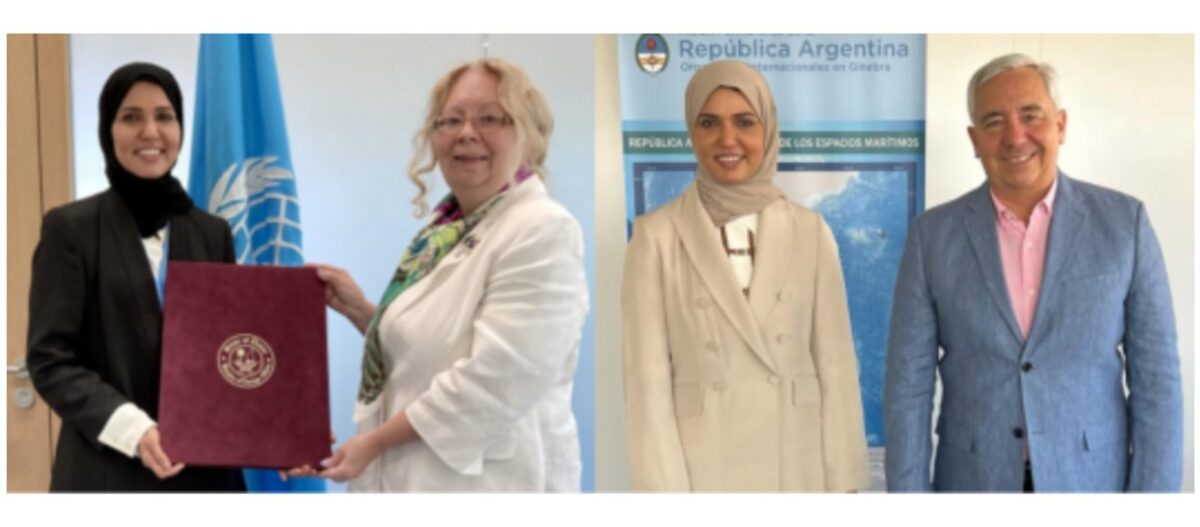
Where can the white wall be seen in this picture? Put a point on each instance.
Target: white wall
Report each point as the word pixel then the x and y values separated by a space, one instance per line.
pixel 352 104
pixel 1129 101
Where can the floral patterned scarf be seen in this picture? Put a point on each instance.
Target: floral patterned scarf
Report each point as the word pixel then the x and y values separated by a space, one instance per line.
pixel 447 228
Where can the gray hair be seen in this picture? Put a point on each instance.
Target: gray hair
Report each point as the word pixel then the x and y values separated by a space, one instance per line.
pixel 1004 63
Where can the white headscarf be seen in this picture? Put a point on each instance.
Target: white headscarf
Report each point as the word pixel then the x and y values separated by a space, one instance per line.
pixel 726 202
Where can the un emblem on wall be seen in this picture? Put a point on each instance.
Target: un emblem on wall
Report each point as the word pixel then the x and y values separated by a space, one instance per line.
pixel 246 361
pixel 257 197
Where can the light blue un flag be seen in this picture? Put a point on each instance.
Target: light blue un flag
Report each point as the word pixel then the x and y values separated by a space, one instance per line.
pixel 242 169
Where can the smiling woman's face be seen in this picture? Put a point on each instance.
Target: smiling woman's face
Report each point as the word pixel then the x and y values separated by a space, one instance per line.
pixel 146 132
pixel 728 137
pixel 475 141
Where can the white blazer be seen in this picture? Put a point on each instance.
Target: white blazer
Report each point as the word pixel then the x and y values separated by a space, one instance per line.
pixel 481 354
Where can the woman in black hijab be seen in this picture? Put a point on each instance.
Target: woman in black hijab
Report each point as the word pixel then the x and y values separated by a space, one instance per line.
pixel 95 317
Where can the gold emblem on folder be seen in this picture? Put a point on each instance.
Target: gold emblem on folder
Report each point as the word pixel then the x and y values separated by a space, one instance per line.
pixel 246 361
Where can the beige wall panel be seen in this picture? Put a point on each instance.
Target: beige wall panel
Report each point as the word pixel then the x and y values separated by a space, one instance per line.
pixel 54 110
pixel 28 445
pixel 612 457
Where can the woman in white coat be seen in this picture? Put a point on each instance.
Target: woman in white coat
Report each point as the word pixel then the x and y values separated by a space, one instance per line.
pixel 740 372
pixel 470 354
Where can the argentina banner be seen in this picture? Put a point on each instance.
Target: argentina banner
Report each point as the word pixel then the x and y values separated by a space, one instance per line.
pixel 242 169
pixel 851 147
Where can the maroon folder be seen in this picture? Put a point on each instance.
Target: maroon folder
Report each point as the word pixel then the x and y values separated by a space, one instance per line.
pixel 244 366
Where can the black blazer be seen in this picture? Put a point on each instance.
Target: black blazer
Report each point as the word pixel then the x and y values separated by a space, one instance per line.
pixel 95 329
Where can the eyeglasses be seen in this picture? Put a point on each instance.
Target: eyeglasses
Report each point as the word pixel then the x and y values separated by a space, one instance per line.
pixel 452 124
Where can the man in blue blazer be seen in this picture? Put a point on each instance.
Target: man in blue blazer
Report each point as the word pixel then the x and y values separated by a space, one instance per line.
pixel 1048 300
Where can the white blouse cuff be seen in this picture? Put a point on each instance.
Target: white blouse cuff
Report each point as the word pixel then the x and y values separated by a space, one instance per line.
pixel 125 428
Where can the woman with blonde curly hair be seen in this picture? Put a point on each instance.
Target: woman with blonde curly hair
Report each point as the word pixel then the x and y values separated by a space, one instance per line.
pixel 470 354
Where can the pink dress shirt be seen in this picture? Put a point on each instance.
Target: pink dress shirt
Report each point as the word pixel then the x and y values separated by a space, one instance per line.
pixel 1023 254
